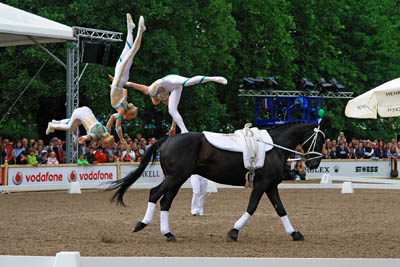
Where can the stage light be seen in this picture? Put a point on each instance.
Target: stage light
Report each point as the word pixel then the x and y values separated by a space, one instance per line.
pixel 259 82
pixel 324 86
pixel 272 83
pixel 306 84
pixel 248 83
pixel 336 85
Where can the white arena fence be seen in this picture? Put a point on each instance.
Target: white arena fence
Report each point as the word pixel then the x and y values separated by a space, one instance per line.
pixel 73 259
pixel 98 176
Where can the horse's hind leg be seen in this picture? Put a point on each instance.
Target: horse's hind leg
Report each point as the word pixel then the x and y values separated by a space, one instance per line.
pixel 151 205
pixel 255 197
pixel 273 196
pixel 165 204
pixel 169 188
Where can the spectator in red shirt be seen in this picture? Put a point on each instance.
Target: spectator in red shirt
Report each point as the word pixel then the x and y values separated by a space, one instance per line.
pixel 3 152
pixel 9 149
pixel 100 156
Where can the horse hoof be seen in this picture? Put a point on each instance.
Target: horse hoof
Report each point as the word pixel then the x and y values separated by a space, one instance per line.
pixel 233 234
pixel 297 236
pixel 170 237
pixel 139 226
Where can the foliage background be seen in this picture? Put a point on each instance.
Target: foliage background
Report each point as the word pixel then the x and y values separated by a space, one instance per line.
pixel 356 44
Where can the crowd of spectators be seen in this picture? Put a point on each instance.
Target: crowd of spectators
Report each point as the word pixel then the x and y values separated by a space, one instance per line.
pixel 341 148
pixel 36 152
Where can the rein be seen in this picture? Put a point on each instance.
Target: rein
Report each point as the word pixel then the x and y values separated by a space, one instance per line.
pixel 252 148
pixel 310 150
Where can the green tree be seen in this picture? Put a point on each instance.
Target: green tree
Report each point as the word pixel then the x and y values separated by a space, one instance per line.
pixel 355 43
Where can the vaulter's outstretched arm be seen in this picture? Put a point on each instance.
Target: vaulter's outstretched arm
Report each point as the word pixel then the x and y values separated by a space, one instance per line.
pixel 110 122
pixel 118 129
pixel 144 90
pixel 117 118
pixel 138 87
pixel 84 138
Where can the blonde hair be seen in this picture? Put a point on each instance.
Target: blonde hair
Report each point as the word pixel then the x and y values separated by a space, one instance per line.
pixel 108 139
pixel 153 88
pixel 132 110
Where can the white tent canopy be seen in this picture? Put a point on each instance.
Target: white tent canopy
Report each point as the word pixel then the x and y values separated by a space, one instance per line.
pixel 383 100
pixel 18 27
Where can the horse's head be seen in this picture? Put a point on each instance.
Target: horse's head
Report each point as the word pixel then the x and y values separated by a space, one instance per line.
pixel 313 141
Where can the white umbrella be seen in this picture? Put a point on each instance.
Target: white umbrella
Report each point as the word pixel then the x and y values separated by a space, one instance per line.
pixel 383 100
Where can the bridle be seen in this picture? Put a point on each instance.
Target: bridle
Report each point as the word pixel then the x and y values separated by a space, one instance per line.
pixel 311 149
pixel 252 148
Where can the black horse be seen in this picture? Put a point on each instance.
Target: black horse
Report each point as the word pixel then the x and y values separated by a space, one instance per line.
pixel 185 154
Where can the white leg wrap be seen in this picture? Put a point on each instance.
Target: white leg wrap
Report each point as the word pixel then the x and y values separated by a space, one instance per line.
pixel 287 225
pixel 164 226
pixel 240 223
pixel 148 217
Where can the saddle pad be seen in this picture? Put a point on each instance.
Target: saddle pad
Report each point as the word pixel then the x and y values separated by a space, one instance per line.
pixel 236 143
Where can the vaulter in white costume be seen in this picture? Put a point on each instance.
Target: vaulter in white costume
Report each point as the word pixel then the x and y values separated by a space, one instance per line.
pixel 119 95
pixel 94 129
pixel 168 90
pixel 199 185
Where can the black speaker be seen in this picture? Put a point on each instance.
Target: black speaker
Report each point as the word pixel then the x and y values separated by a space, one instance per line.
pixel 99 52
pixel 111 54
pixel 91 52
pixel 114 55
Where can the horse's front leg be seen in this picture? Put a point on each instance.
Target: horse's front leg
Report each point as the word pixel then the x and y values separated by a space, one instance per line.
pixel 256 194
pixel 273 196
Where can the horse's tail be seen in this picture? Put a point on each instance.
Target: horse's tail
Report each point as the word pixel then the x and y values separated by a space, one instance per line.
pixel 123 184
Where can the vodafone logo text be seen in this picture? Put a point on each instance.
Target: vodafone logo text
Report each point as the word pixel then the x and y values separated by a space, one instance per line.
pixel 96 176
pixel 45 177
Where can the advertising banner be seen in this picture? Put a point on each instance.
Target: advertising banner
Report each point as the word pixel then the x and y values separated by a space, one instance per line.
pixel 56 175
pixel 51 177
pixel 152 175
pixel 352 168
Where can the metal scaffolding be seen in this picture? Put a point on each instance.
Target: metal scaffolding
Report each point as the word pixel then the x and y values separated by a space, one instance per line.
pixel 272 93
pixel 73 77
pixel 274 107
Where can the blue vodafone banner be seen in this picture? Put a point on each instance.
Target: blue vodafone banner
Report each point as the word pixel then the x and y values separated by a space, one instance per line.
pixel 352 168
